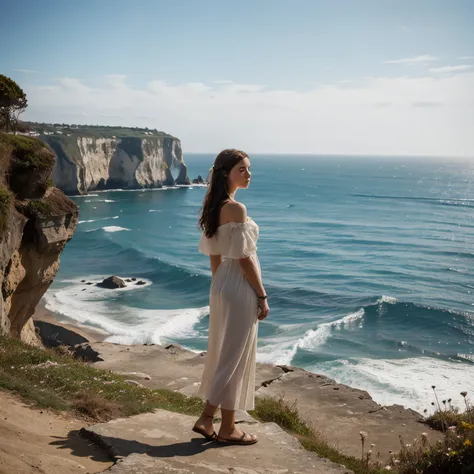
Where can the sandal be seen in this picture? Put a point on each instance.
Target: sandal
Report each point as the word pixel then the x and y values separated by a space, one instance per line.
pixel 238 441
pixel 209 437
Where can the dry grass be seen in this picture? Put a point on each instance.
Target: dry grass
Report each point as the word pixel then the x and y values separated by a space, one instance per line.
pixel 94 406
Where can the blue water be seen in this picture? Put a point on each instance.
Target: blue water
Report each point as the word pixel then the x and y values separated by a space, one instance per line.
pixel 368 263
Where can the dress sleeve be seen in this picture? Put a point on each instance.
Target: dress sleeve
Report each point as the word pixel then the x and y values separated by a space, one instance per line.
pixel 205 245
pixel 242 241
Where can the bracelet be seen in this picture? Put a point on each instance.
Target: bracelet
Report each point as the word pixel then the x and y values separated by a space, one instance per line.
pixel 264 297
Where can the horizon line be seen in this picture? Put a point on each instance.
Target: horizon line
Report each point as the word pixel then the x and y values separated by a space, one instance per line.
pixel 366 155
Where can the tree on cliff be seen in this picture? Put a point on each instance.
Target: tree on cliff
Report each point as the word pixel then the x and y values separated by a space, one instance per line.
pixel 12 103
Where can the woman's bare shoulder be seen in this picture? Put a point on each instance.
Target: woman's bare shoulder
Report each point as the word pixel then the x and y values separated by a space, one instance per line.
pixel 233 211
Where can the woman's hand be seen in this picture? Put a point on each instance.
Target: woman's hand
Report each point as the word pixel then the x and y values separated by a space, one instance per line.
pixel 263 309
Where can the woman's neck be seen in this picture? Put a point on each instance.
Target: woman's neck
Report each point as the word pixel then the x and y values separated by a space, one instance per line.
pixel 232 193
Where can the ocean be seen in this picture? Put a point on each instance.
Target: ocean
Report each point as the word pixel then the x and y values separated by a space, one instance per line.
pixel 368 263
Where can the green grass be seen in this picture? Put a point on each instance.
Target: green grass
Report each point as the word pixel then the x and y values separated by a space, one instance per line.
pixel 94 131
pixel 69 384
pixel 287 416
pixel 28 154
pixel 39 208
pixel 5 200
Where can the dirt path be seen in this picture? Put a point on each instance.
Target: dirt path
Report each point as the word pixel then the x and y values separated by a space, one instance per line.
pixel 40 441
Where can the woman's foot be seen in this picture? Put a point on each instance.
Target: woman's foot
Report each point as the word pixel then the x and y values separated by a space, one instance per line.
pixel 236 437
pixel 205 427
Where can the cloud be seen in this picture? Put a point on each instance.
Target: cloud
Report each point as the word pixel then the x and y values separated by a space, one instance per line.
pixel 375 115
pixel 448 69
pixel 466 57
pixel 427 104
pixel 26 71
pixel 423 59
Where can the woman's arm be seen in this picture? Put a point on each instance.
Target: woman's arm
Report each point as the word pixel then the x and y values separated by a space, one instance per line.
pixel 216 260
pixel 250 272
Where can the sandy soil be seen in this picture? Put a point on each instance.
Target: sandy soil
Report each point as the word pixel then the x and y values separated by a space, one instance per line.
pixel 40 441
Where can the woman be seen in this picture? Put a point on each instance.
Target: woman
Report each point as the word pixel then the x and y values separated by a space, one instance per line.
pixel 237 300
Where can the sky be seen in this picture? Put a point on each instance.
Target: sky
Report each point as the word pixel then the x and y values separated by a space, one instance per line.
pixel 373 77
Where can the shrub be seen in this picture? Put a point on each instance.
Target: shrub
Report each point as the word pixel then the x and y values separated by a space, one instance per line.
pixel 5 200
pixel 28 154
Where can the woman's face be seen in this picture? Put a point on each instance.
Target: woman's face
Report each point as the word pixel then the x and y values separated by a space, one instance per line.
pixel 239 176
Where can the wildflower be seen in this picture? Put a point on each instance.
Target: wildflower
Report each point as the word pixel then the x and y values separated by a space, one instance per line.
pixel 467 443
pixel 433 403
pixel 449 400
pixel 452 429
pixel 387 468
pixel 408 445
pixel 363 435
pixel 453 453
pixel 433 387
pixel 464 394
pixel 372 445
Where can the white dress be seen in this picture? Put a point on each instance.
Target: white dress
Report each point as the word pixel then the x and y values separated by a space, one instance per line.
pixel 228 379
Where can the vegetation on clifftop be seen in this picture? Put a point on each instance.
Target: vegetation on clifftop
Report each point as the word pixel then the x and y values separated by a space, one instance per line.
pixel 93 131
pixel 27 154
pixel 5 200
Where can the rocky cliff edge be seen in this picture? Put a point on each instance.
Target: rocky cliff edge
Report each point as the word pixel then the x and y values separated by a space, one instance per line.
pixel 36 222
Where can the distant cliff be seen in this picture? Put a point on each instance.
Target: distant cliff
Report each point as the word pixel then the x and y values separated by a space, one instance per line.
pixel 97 158
pixel 36 222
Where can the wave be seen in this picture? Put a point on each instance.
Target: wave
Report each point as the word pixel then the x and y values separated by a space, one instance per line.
pixel 405 381
pixel 388 317
pixel 99 219
pixel 125 324
pixel 311 339
pixel 458 202
pixel 83 195
pixel 114 228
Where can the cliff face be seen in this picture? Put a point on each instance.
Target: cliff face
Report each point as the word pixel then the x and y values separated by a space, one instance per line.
pixel 36 222
pixel 86 163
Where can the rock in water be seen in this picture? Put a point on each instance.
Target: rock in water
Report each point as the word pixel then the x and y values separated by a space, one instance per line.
pixel 112 283
pixel 140 282
pixel 198 180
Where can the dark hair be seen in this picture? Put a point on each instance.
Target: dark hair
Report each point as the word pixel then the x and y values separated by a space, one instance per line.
pixel 218 192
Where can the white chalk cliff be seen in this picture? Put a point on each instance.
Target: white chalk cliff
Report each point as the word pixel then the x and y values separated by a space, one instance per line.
pixel 86 164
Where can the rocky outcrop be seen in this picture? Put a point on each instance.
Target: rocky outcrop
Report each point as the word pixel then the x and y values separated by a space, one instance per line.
pixel 36 222
pixel 87 163
pixel 112 283
pixel 198 180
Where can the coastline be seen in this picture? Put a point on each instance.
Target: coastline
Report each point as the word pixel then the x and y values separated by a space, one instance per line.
pixel 44 314
pixel 339 411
